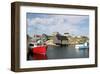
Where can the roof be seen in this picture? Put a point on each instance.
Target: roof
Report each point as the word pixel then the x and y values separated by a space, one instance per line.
pixel 62 38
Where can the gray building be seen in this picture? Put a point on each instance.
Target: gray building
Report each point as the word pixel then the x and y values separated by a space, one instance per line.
pixel 60 40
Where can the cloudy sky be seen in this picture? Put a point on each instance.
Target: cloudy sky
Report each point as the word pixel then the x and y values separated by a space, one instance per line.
pixel 38 23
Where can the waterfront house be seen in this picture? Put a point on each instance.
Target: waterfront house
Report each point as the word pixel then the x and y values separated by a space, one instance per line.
pixel 60 39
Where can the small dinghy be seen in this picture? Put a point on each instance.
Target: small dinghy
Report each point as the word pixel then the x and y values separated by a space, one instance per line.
pixel 82 46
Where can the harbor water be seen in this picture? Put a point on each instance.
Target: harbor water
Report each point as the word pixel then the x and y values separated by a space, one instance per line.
pixel 61 52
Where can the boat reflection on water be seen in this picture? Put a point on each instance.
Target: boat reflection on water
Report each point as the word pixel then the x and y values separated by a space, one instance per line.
pixel 39 56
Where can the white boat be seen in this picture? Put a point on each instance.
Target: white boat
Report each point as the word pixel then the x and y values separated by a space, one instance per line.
pixel 79 46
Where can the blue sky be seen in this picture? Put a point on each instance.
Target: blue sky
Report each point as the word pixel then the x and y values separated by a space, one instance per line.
pixel 38 23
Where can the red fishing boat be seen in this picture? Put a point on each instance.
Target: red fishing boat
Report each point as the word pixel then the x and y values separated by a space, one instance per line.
pixel 40 49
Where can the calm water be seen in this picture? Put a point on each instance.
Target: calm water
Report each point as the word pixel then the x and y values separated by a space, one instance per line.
pixel 66 52
pixel 62 52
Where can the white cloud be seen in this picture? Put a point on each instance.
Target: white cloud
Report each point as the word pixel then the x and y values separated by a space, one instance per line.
pixel 43 21
pixel 54 23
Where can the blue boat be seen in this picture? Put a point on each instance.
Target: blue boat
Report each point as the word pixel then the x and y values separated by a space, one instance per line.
pixel 82 46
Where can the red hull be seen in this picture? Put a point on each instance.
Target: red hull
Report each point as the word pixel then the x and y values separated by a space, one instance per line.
pixel 39 50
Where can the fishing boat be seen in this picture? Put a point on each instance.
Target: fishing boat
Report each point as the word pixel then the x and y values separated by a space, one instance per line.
pixel 41 49
pixel 38 46
pixel 37 49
